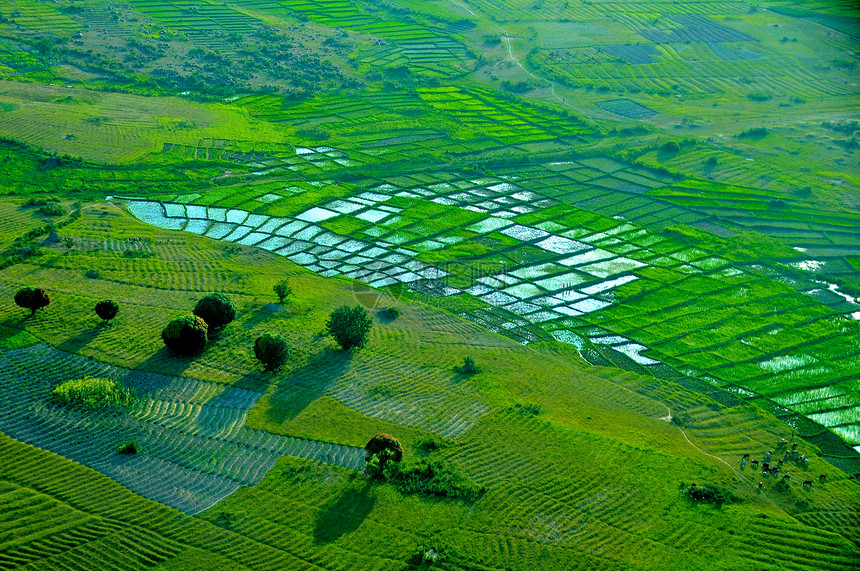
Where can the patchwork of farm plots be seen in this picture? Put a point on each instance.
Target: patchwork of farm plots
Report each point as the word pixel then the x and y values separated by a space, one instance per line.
pixel 526 264
pixel 697 48
pixel 194 448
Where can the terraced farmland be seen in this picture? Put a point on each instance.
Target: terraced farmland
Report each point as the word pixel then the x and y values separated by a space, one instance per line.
pixel 610 252
pixel 563 272
pixel 170 417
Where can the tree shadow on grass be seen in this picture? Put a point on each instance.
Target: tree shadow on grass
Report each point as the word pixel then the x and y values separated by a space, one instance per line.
pixel 346 514
pixel 261 314
pixel 306 384
pixel 81 340
pixel 164 364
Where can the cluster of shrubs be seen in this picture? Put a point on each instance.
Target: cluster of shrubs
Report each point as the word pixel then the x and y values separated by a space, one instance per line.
pixel 426 477
pixel 91 393
pixel 708 493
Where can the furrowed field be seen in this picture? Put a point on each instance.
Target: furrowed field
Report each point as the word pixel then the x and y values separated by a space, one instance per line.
pixel 641 221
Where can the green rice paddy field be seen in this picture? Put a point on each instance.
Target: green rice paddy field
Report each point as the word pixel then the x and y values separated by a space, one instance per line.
pixel 641 220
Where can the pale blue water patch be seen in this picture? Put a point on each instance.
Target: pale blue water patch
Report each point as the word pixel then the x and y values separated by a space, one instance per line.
pixel 290 229
pixel 271 225
pixel 561 245
pixel 255 220
pixel 376 196
pixel 236 216
pixel 523 291
pixel 633 351
pixel 569 337
pixel 197 226
pixel 524 233
pixel 252 239
pixel 238 233
pixel 307 233
pixel 219 230
pixel 372 215
pixel 316 214
pixel 589 305
pixel 561 281
pixel 489 225
pixel 196 211
pixel 587 257
pixel 608 284
pixel 174 210
pixel 607 268
pixel 217 214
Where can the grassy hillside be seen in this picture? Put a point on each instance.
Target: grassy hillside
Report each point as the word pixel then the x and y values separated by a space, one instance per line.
pixel 582 461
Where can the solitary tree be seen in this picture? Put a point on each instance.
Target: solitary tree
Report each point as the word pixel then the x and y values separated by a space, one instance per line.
pixel 216 310
pixel 107 310
pixel 32 298
pixel 271 350
pixel 283 290
pixel 185 335
pixel 350 326
pixel 382 449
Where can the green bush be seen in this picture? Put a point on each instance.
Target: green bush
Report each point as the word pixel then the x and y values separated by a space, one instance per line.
pixel 91 393
pixel 52 210
pixel 107 309
pixel 754 133
pixel 670 147
pixel 216 310
pixel 41 201
pixel 271 350
pixel 429 445
pixel 350 326
pixel 32 298
pixel 185 335
pixel 389 313
pixel 428 478
pixel 709 493
pixel 129 447
pixel 283 290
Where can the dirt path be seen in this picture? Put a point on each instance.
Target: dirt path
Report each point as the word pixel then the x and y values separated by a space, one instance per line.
pixel 507 39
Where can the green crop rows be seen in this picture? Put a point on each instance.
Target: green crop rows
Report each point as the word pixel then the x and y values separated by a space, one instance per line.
pixel 640 220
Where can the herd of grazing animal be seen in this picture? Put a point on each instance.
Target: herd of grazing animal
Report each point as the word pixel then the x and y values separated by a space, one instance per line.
pixel 769 467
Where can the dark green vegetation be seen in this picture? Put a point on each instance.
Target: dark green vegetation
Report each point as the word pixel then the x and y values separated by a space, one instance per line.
pixel 283 290
pixel 216 310
pixel 127 448
pixel 185 335
pixel 350 326
pixel 107 309
pixel 271 350
pixel 32 298
pixel 667 191
pixel 566 452
pixel 468 367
